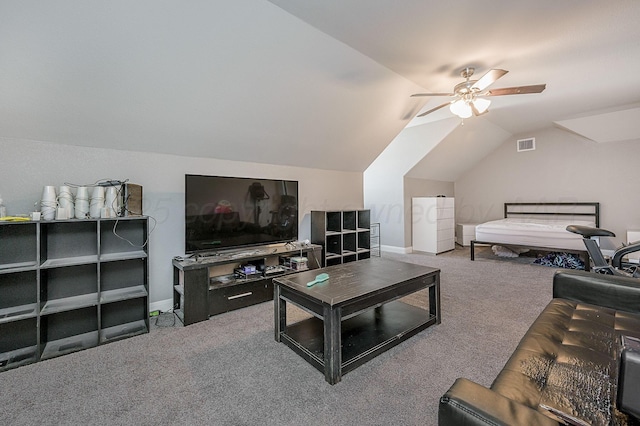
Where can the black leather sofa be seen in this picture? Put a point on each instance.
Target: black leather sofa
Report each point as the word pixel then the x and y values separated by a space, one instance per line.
pixel 567 363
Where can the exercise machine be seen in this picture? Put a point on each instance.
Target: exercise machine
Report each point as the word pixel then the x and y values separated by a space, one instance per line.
pixel 617 265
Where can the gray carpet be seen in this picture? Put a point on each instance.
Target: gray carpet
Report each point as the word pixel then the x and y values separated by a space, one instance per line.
pixel 230 371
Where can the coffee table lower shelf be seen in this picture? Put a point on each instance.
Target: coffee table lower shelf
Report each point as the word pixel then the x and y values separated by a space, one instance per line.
pixel 364 336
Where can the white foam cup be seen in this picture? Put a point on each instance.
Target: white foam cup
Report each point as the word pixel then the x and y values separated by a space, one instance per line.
pixel 81 208
pixel 97 201
pixel 97 193
pixel 65 200
pixel 48 194
pixel 111 201
pixel 62 213
pixel 64 190
pixel 48 203
pixel 95 207
pixel 82 193
pixel 48 210
pixel 82 202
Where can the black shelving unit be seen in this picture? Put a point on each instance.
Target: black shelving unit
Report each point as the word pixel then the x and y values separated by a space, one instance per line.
pixel 70 285
pixel 344 235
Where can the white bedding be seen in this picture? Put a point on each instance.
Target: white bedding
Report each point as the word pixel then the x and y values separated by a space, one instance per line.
pixel 548 233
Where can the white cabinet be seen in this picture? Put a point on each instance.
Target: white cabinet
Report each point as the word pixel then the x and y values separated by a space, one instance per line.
pixel 465 232
pixel 433 224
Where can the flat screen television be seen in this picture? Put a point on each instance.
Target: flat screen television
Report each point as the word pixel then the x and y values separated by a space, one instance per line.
pixel 224 212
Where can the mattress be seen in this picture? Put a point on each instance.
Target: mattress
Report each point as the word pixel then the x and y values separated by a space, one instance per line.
pixel 547 233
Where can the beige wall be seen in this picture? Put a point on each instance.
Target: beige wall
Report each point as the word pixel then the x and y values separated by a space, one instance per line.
pixel 27 166
pixel 564 167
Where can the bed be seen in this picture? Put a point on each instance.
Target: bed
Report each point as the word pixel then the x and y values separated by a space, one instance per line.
pixel 540 226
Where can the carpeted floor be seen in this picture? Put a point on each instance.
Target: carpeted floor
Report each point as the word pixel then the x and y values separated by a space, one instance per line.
pixel 230 371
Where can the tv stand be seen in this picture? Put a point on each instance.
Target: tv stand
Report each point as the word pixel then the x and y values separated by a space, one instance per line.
pixel 205 285
pixel 201 256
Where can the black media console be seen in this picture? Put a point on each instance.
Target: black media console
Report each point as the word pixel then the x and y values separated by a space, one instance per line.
pixel 210 285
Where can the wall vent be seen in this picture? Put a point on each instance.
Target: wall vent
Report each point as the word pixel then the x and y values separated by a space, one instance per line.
pixel 528 144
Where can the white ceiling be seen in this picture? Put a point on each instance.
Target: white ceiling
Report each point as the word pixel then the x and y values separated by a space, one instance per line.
pixel 613 126
pixel 321 84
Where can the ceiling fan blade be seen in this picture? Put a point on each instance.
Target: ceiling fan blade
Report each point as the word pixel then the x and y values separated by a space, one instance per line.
pixel 475 110
pixel 431 94
pixel 488 79
pixel 434 109
pixel 521 90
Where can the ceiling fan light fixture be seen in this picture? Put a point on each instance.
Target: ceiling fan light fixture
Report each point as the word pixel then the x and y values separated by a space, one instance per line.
pixel 481 104
pixel 461 108
pixel 468 101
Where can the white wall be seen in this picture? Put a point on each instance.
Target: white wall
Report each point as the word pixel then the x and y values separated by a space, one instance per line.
pixel 564 168
pixel 384 197
pixel 384 181
pixel 26 166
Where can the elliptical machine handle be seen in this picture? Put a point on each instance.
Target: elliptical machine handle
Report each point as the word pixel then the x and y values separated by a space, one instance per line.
pixel 589 232
pixel 616 262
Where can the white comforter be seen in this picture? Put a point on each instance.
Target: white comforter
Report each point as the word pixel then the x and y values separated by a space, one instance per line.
pixel 549 233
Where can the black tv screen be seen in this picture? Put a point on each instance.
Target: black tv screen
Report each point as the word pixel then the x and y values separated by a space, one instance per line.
pixel 224 212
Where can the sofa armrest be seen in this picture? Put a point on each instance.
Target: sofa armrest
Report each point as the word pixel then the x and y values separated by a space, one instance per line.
pixel 610 291
pixel 468 403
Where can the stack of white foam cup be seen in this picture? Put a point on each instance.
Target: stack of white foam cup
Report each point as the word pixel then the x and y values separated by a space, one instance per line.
pixel 48 203
pixel 111 202
pixel 82 202
pixel 97 201
pixel 65 203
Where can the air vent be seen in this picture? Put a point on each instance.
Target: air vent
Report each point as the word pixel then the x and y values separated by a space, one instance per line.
pixel 526 144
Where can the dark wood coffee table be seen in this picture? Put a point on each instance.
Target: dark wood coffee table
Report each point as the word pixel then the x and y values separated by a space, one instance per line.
pixel 356 314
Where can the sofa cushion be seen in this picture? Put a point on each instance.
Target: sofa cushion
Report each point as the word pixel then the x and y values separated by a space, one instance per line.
pixel 568 360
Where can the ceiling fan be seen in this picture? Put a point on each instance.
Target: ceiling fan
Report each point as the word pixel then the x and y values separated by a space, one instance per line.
pixel 470 94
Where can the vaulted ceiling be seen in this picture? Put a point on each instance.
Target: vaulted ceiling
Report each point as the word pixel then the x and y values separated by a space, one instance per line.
pixel 321 84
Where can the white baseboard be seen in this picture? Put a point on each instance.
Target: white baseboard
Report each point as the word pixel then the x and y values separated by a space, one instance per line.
pixel 162 305
pixel 394 249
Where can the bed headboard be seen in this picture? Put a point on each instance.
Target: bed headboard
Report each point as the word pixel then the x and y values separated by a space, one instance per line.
pixel 554 209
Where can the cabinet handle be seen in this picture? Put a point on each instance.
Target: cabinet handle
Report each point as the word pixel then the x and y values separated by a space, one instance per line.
pixel 240 295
